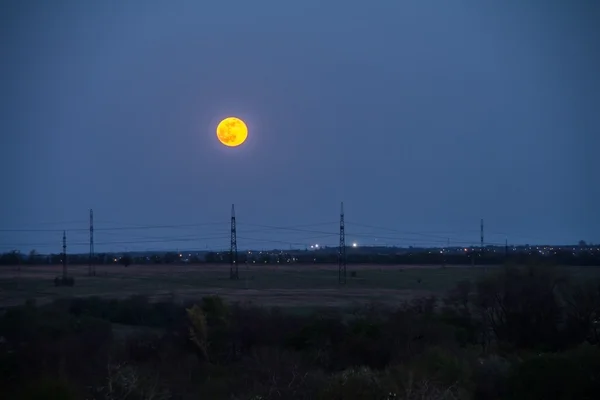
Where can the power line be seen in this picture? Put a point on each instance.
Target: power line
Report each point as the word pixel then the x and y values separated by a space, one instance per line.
pixel 283 228
pixel 149 227
pixel 396 230
pixel 396 238
pixel 61 223
pixel 303 243
pixel 165 240
pixel 439 239
pixel 192 238
pixel 432 235
pixel 41 230
pixel 125 228
pixel 140 239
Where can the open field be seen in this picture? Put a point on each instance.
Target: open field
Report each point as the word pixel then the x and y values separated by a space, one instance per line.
pixel 286 286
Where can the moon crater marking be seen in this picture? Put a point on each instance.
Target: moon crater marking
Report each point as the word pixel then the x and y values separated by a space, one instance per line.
pixel 232 131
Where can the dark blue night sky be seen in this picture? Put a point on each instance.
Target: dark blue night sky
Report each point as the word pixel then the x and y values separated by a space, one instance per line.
pixel 423 117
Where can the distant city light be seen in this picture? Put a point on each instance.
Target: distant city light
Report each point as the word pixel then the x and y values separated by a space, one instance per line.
pixel 354 244
pixel 316 246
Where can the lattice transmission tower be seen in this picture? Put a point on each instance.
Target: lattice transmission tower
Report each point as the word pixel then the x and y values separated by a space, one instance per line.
pixel 64 257
pixel 481 230
pixel 342 249
pixel 92 267
pixel 233 254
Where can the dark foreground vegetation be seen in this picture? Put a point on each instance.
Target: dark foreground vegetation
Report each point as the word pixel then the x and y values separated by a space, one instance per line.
pixel 524 333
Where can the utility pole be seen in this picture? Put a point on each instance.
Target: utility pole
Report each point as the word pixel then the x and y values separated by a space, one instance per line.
pixel 92 267
pixel 481 228
pixel 64 257
pixel 446 252
pixel 233 256
pixel 481 243
pixel 342 249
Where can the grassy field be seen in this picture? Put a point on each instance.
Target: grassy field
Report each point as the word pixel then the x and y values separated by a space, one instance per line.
pixel 285 286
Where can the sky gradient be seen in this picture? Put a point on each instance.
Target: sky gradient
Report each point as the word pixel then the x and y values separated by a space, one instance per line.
pixel 423 117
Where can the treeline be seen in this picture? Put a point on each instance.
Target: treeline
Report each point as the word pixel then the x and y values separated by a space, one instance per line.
pixel 435 258
pixel 518 334
pixel 561 257
pixel 16 258
pixel 420 257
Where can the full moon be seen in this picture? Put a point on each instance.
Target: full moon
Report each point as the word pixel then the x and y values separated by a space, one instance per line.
pixel 232 131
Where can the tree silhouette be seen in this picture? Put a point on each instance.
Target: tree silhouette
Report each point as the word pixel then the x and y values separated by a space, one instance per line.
pixel 126 260
pixel 32 256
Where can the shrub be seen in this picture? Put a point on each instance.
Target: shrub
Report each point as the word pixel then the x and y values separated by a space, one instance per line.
pixel 142 348
pixel 354 384
pixel 574 374
pixel 126 381
pixel 215 309
pixel 490 375
pixel 458 312
pixel 411 333
pixel 436 370
pixel 48 389
pixel 42 340
pixel 364 344
pixel 521 307
pixel 198 331
pixel 64 281
pixel 582 313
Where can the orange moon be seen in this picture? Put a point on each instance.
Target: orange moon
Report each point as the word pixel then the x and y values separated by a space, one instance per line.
pixel 232 131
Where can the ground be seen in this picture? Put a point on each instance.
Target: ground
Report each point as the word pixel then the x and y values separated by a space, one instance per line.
pixel 268 285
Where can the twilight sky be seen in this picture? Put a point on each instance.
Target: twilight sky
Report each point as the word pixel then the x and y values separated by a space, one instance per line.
pixel 422 116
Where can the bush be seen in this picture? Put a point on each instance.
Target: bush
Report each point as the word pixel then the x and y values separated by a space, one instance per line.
pixel 354 384
pixel 135 310
pixel 364 344
pixel 458 312
pixel 48 389
pixel 215 309
pixel 582 313
pixel 198 331
pixel 521 307
pixel 42 341
pixel 126 381
pixel 64 281
pixel 437 373
pixel 490 375
pixel 574 374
